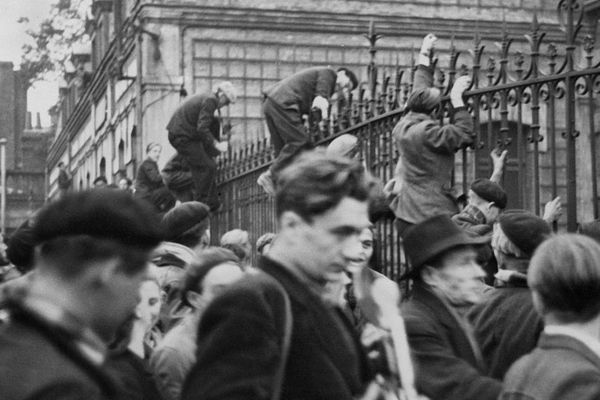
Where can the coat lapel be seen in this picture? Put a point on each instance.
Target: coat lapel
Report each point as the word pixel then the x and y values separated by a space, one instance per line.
pixel 326 325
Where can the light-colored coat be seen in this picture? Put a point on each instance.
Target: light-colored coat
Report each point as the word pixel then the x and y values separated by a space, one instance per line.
pixel 424 169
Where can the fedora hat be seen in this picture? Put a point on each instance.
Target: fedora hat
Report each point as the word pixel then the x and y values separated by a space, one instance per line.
pixel 432 237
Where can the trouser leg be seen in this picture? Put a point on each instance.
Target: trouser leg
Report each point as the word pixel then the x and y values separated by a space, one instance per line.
pixel 287 133
pixel 203 169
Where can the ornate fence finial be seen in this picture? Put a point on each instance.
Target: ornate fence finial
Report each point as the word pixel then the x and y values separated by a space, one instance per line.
pixel 372 36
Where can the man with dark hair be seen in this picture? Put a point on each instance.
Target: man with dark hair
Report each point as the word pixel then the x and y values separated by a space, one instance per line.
pixel 194 133
pixel 564 276
pixel 426 147
pixel 92 254
pixel 210 275
pixel 447 279
pixel 321 207
pixel 187 233
pixel 288 100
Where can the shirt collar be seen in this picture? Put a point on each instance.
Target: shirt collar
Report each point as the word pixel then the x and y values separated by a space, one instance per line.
pixel 591 342
pixel 316 287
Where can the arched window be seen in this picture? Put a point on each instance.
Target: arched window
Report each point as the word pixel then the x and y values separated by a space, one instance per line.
pixel 102 167
pixel 134 148
pixel 121 155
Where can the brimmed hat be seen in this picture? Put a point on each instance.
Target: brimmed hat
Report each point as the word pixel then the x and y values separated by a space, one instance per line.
pixel 524 229
pixel 489 191
pixel 432 237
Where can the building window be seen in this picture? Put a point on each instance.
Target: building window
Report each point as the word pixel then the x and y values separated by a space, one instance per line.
pixel 102 167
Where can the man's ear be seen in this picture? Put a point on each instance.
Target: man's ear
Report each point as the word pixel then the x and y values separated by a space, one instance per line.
pixel 102 272
pixel 537 303
pixel 290 220
pixel 429 275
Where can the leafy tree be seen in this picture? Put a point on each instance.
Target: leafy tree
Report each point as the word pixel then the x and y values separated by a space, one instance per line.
pixel 54 40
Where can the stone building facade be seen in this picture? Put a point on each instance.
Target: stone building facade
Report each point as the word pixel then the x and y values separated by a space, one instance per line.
pixel 146 55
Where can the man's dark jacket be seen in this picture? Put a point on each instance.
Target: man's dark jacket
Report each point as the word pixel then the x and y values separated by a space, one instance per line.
pixel 239 344
pixel 195 120
pixel 446 365
pixel 298 91
pixel 506 325
pixel 41 361
pixel 560 368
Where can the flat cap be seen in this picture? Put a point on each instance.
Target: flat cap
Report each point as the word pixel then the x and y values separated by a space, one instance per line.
pixel 184 217
pixel 524 229
pixel 100 213
pixel 489 191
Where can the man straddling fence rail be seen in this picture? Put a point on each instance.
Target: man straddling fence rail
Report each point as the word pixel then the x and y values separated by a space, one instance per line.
pixel 194 133
pixel 288 100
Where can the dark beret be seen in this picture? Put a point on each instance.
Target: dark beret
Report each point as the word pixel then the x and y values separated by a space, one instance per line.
pixel 524 229
pixel 489 191
pixel 100 213
pixel 184 217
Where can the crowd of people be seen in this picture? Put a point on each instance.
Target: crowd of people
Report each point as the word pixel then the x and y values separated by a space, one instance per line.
pixel 123 294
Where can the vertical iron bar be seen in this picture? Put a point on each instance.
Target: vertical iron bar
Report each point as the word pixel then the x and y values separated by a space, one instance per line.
pixel 535 135
pixel 593 144
pixel 570 120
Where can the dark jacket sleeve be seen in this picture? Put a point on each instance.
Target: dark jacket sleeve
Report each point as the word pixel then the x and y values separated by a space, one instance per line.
pixel 206 121
pixel 326 79
pixel 441 374
pixel 449 138
pixel 423 77
pixel 238 351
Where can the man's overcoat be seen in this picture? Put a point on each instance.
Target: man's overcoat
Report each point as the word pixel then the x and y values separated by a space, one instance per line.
pixel 446 364
pixel 239 344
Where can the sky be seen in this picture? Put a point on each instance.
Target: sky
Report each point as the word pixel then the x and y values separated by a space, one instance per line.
pixel 12 37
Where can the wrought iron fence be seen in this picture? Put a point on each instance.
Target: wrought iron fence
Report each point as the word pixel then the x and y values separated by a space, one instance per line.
pixel 538 101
